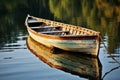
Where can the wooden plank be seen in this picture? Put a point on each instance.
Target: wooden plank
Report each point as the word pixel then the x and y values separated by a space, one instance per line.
pixel 85 35
pixel 35 27
pixel 32 21
pixel 44 27
pixel 47 32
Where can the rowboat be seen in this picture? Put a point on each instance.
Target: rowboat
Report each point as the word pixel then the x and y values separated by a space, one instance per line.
pixel 63 36
pixel 70 62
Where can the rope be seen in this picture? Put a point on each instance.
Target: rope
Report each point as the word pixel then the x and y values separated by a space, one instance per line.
pixel 111 57
pixel 108 51
pixel 110 71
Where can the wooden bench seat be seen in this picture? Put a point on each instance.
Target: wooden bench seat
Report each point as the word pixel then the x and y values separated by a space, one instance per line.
pixel 33 21
pixel 80 35
pixel 44 27
pixel 49 32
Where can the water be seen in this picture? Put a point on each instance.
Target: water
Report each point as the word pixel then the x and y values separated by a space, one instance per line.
pixel 18 62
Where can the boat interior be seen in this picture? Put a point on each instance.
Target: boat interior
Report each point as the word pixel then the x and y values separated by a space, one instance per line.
pixel 58 29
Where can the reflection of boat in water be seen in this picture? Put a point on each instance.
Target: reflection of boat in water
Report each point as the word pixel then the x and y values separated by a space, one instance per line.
pixel 87 67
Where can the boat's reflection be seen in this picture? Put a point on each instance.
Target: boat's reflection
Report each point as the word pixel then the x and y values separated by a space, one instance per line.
pixel 87 67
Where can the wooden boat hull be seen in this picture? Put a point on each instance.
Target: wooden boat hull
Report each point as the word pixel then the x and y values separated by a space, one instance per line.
pixel 87 44
pixel 81 65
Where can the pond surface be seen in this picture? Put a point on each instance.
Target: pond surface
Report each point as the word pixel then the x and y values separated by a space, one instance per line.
pixel 18 62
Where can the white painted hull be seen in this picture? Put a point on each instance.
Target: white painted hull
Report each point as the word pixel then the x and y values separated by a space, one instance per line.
pixel 87 46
